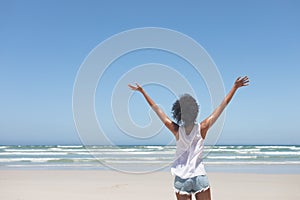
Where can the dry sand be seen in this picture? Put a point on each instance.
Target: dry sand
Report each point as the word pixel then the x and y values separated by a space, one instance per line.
pixel 107 185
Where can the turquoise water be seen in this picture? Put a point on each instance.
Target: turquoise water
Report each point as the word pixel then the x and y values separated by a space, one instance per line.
pixel 136 159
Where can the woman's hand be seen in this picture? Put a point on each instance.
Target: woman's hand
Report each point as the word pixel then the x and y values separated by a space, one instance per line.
pixel 240 82
pixel 136 88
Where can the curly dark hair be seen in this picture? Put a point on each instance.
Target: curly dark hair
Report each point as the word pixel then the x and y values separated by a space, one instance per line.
pixel 185 110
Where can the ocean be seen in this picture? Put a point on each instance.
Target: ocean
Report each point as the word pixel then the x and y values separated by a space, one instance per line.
pixel 144 159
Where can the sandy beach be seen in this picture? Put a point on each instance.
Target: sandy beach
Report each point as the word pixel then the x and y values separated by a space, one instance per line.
pixel 93 184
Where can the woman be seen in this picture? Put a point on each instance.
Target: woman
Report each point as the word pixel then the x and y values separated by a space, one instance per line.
pixel 188 168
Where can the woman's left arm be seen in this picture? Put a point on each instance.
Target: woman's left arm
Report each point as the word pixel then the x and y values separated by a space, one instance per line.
pixel 208 122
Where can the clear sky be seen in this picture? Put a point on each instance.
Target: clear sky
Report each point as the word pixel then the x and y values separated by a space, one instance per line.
pixel 43 44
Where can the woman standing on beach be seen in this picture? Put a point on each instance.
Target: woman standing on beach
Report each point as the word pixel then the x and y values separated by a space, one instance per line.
pixel 188 168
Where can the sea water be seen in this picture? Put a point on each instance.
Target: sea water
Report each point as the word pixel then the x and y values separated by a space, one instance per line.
pixel 142 159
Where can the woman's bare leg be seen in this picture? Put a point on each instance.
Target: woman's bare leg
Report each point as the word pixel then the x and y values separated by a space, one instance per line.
pixel 205 195
pixel 183 196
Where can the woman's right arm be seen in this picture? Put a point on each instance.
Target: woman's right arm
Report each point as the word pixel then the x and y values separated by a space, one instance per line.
pixel 172 126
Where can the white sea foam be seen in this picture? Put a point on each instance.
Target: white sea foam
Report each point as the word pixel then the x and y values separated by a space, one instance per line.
pixel 253 163
pixel 229 150
pixel 136 162
pixel 295 148
pixel 25 150
pixel 8 160
pixel 278 153
pixel 155 147
pixel 273 147
pixel 231 157
pixel 69 146
pixel 33 153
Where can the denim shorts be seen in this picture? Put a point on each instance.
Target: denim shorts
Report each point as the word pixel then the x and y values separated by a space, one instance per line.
pixel 191 185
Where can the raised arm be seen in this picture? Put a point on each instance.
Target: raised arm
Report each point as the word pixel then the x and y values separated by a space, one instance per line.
pixel 208 122
pixel 172 126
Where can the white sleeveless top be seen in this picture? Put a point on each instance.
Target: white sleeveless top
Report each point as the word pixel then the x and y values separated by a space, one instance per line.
pixel 189 150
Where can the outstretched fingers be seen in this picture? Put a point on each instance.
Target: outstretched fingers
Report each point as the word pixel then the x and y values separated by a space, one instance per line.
pixel 242 81
pixel 245 80
pixel 137 87
pixel 132 87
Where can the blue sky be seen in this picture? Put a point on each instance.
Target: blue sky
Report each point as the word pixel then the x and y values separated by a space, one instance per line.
pixel 43 44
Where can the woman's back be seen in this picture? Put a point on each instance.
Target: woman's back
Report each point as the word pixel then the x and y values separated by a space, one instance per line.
pixel 189 150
